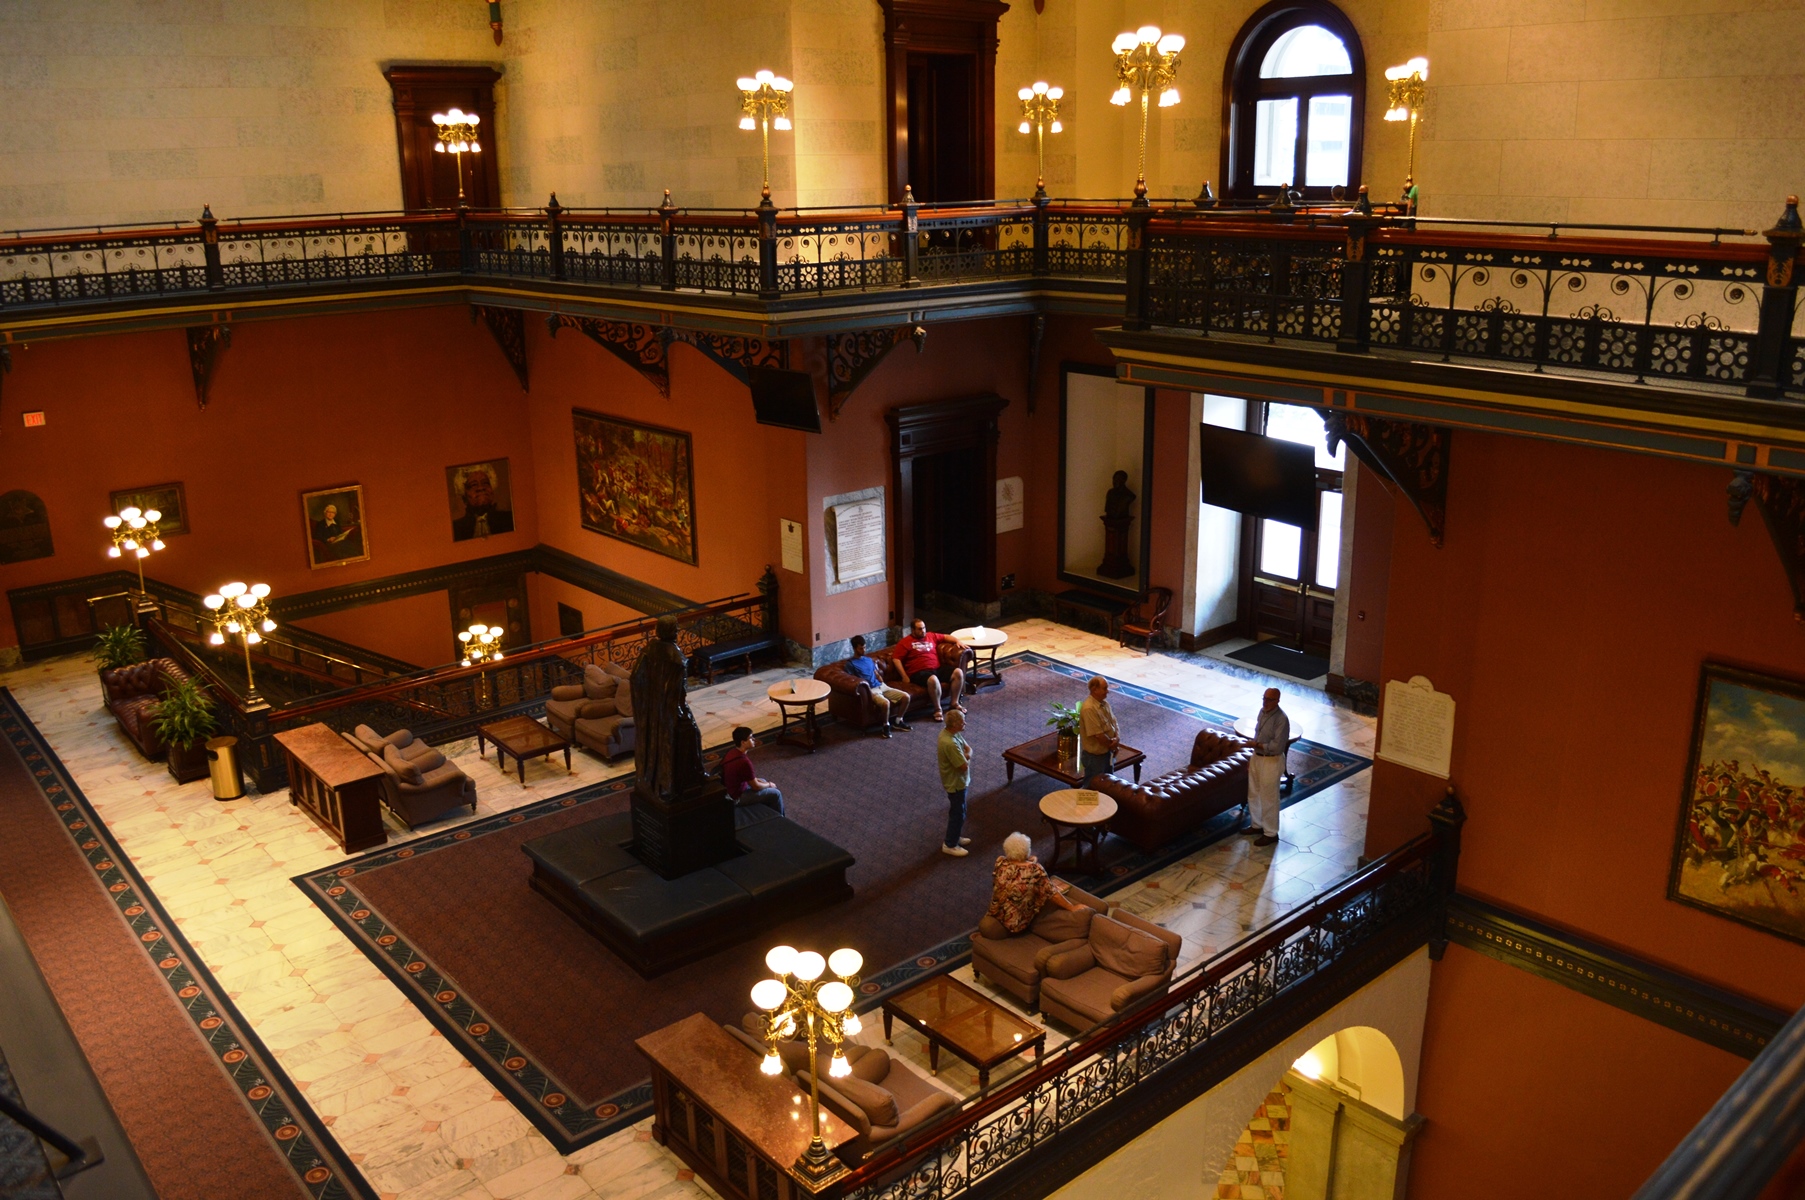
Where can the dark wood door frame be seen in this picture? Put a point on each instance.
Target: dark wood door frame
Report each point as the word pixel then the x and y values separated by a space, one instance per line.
pixel 932 429
pixel 418 91
pixel 941 27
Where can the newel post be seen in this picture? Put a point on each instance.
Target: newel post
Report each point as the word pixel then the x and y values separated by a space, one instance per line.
pixel 767 248
pixel 554 235
pixel 1356 277
pixel 911 241
pixel 667 244
pixel 1444 864
pixel 1136 307
pixel 216 274
pixel 1768 363
pixel 1041 201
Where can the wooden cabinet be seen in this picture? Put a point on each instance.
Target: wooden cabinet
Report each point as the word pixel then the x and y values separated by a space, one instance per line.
pixel 338 784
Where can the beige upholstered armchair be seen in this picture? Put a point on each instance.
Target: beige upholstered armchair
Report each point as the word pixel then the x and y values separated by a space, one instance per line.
pixel 1010 962
pixel 597 713
pixel 1121 960
pixel 419 784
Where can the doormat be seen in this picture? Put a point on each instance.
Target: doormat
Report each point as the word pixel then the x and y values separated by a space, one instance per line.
pixel 1281 660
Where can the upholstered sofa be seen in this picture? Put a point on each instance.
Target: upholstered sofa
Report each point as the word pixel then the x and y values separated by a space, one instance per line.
pixel 882 1098
pixel 1011 962
pixel 1153 813
pixel 1121 959
pixel 133 696
pixel 597 713
pixel 419 784
pixel 850 697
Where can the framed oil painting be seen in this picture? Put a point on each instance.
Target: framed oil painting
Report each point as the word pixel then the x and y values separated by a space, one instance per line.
pixel 336 533
pixel 637 483
pixel 167 498
pixel 482 502
pixel 1740 851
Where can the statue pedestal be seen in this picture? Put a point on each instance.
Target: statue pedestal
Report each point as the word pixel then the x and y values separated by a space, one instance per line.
pixel 675 837
pixel 1115 548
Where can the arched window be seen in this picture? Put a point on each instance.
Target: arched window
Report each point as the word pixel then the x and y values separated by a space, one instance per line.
pixel 1295 89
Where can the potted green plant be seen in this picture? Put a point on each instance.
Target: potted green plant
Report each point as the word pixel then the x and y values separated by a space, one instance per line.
pixel 1065 719
pixel 117 646
pixel 185 721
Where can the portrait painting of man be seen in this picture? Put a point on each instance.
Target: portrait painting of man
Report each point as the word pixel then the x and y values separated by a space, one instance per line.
pixel 636 483
pixel 481 500
pixel 335 526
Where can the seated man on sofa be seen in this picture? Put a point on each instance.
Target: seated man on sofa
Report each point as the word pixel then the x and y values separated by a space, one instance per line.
pixel 919 654
pixel 885 698
pixel 743 784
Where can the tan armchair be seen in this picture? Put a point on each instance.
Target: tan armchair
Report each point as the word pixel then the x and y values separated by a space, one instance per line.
pixel 597 713
pixel 1011 962
pixel 419 784
pixel 1123 959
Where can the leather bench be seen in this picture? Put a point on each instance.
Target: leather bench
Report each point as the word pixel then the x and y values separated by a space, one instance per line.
pixel 704 659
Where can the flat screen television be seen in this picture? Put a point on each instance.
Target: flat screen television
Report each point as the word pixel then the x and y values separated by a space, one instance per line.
pixel 785 399
pixel 1260 476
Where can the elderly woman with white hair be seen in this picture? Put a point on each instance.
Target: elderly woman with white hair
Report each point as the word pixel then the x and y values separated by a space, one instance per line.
pixel 1021 886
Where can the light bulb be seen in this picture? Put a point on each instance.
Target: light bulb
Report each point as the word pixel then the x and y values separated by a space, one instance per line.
pixel 781 123
pixel 113 553
pixel 1119 96
pixel 231 626
pixel 780 959
pixel 497 656
pixel 772 1065
pixel 213 602
pixel 143 553
pixel 465 663
pixel 850 1024
pixel 746 83
pixel 782 84
pixel 748 123
pixel 151 514
pixel 768 994
pixel 764 77
pixel 218 639
pixel 157 545
pixel 131 512
pixel 476 147
pixel 1024 93
pixel 130 544
pixel 1055 93
pixel 110 522
pixel 834 997
pixel 1123 44
pixel 1056 127
pixel 845 962
pixel 839 1068
pixel 809 966
pixel 1168 98
pixel 1147 35
pixel 1022 128
pixel 260 590
pixel 253 637
pixel 1172 43
pixel 269 626
pixel 1040 88
pixel 439 148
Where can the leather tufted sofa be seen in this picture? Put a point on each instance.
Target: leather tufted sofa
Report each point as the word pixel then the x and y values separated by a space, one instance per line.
pixel 850 697
pixel 133 696
pixel 1153 813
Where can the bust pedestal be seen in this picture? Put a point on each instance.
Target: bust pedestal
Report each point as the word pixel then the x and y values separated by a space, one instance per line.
pixel 1115 548
pixel 677 836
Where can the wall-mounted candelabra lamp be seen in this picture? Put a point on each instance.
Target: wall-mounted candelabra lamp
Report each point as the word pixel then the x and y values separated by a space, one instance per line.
pixel 482 643
pixel 1406 89
pixel 457 137
pixel 136 533
pixel 1146 62
pixel 242 611
pixel 765 105
pixel 1040 116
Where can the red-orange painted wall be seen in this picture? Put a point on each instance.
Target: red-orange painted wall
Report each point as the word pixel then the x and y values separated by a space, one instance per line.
pixel 416 629
pixel 1165 511
pixel 1369 576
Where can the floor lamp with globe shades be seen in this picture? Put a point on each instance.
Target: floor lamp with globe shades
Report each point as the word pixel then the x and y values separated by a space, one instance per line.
pixel 136 532
pixel 797 1001
pixel 241 610
pixel 1146 62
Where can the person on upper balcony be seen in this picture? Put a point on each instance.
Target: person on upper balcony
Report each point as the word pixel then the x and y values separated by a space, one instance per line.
pixel 919 653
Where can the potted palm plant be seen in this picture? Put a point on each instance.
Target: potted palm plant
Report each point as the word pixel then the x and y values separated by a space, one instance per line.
pixel 185 721
pixel 1065 719
pixel 117 646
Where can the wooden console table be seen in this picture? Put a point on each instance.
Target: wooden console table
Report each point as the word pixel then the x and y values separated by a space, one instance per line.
pixel 737 1128
pixel 338 784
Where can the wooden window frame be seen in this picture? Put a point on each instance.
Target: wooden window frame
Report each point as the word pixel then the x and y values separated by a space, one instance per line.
pixel 1243 89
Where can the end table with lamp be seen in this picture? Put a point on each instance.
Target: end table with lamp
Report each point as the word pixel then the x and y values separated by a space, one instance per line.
pixel 984 643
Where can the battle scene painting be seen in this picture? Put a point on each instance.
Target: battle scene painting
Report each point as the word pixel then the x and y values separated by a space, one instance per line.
pixel 636 483
pixel 1741 845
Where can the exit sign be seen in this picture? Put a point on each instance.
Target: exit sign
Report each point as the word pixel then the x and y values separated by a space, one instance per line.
pixel 33 419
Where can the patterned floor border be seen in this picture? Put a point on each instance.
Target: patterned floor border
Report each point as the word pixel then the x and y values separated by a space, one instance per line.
pixel 321 1167
pixel 570 1123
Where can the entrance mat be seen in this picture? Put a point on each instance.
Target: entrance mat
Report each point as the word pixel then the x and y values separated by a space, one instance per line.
pixel 1281 660
pixel 550 1015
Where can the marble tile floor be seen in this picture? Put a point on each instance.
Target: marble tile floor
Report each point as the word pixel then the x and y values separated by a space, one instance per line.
pixel 419 1120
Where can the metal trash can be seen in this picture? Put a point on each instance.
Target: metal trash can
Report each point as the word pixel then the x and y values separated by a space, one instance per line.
pixel 222 768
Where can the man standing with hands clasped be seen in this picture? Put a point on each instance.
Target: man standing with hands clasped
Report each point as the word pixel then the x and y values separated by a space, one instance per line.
pixel 1271 738
pixel 955 777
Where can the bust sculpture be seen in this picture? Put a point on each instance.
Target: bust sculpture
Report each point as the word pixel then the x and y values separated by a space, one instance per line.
pixel 1118 504
pixel 668 752
pixel 1119 499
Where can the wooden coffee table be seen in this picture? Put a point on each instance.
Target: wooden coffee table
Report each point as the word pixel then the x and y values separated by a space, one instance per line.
pixel 524 738
pixel 1081 823
pixel 967 1022
pixel 1042 755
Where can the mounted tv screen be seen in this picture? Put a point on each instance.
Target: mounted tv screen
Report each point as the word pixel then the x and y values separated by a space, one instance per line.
pixel 785 399
pixel 1260 476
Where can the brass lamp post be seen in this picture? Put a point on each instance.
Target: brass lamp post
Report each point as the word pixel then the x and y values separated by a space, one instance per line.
pixel 242 611
pixel 457 137
pixel 135 531
pixel 1040 115
pixel 1146 62
pixel 765 105
pixel 796 1001
pixel 1406 89
pixel 482 643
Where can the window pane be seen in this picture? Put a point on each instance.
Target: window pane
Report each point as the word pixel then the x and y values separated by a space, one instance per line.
pixel 1325 161
pixel 1280 547
pixel 1306 50
pixel 1328 541
pixel 1295 423
pixel 1275 142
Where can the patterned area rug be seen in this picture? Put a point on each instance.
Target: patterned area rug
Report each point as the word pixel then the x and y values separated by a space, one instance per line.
pixel 550 1015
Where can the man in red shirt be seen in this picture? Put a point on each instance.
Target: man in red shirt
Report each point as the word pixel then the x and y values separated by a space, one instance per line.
pixel 919 654
pixel 743 784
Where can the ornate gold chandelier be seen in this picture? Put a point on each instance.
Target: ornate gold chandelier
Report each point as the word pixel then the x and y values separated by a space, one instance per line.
pixel 1146 62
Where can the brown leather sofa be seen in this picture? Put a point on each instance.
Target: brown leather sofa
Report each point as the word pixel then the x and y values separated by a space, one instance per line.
pixel 882 1098
pixel 597 713
pixel 1012 962
pixel 1153 813
pixel 133 695
pixel 1121 960
pixel 419 784
pixel 850 697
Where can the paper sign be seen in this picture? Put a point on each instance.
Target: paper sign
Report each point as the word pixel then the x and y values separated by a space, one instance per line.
pixel 1416 729
pixel 790 534
pixel 1009 504
pixel 1087 798
pixel 858 540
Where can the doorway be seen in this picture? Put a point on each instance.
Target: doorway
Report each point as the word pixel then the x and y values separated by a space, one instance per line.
pixel 940 77
pixel 943 127
pixel 1295 571
pixel 944 456
pixel 949 549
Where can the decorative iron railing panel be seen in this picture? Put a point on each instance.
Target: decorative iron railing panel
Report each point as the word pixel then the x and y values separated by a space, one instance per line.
pixel 85 269
pixel 716 258
pixel 1259 286
pixel 1087 245
pixel 830 256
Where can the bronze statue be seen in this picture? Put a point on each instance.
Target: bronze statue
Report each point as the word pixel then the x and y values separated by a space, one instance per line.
pixel 1119 499
pixel 668 749
pixel 1116 519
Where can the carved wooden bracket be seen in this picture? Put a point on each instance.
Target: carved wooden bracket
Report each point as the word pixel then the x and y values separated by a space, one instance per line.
pixel 1782 502
pixel 735 354
pixel 205 344
pixel 509 327
pixel 641 347
pixel 1410 457
pixel 852 356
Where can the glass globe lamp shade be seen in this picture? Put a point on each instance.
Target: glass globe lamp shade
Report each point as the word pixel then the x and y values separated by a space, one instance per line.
pixel 260 590
pixel 1053 93
pixel 809 966
pixel 746 83
pixel 1124 42
pixel 252 637
pixel 151 514
pixel 217 639
pixel 1172 43
pixel 213 602
pixel 850 1025
pixel 1147 35
pixel 764 77
pixel 1168 98
pixel 131 543
pixel 839 1068
pixel 233 627
pixel 113 552
pixel 143 552
pixel 1022 128
pixel 131 513
pixel 1024 93
pixel 245 600
pixel 231 590
pixel 1119 96
pixel 1056 127
pixel 834 997
pixel 269 626
pixel 111 522
pixel 781 123
pixel 157 544
pixel 771 1065
pixel 748 123
pixel 845 962
pixel 779 959
pixel 769 994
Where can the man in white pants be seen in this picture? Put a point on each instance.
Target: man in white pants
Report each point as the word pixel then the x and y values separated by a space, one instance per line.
pixel 1271 738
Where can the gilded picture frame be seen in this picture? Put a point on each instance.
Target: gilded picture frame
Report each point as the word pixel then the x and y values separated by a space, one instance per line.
pixel 333 522
pixel 170 499
pixel 637 483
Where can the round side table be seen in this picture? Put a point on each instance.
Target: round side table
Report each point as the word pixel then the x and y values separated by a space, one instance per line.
pixel 796 700
pixel 984 642
pixel 1082 824
pixel 1245 727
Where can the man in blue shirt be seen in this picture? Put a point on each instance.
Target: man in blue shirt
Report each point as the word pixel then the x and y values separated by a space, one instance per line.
pixel 1271 739
pixel 868 669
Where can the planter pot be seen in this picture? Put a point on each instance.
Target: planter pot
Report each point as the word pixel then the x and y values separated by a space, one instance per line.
pixel 187 764
pixel 1068 748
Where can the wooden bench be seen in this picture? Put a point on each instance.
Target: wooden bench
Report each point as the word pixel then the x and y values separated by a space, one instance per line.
pixel 1110 610
pixel 704 659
